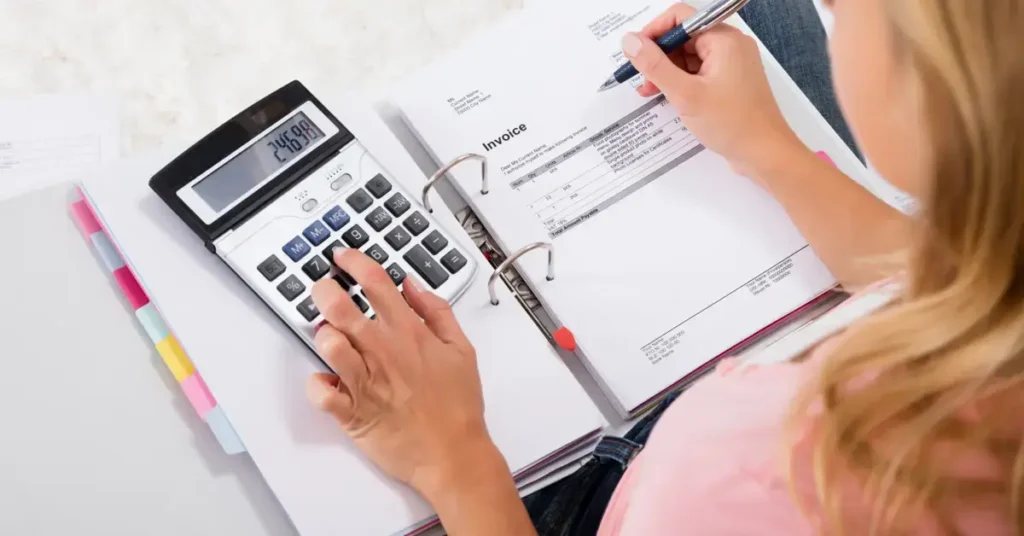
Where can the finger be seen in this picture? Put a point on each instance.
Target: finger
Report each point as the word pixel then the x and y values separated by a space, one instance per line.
pixel 656 66
pixel 669 19
pixel 340 311
pixel 435 311
pixel 385 298
pixel 337 351
pixel 323 393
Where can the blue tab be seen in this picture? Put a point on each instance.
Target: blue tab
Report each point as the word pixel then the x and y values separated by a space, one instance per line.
pixel 296 249
pixel 336 218
pixel 316 233
pixel 151 321
pixel 225 433
pixel 108 253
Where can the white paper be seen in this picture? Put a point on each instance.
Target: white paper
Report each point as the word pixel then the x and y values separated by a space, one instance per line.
pixel 256 368
pixel 665 258
pixel 48 139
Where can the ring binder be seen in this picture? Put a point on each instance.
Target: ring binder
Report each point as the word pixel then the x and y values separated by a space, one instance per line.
pixel 485 182
pixel 513 258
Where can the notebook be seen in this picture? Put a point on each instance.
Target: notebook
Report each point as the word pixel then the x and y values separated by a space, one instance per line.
pixel 539 416
pixel 666 259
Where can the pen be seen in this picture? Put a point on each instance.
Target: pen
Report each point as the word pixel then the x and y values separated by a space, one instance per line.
pixel 701 21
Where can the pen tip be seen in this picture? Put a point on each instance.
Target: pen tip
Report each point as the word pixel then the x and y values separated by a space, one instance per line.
pixel 608 84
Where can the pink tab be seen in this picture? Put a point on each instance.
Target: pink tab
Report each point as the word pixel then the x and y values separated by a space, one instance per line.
pixel 85 218
pixel 824 156
pixel 130 286
pixel 198 394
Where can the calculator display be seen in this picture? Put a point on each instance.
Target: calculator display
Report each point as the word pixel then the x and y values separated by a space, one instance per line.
pixel 267 155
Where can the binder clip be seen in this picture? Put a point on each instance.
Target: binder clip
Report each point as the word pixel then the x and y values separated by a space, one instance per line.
pixel 485 182
pixel 513 258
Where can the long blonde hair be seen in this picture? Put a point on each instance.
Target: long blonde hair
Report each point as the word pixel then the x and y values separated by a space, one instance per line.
pixel 893 403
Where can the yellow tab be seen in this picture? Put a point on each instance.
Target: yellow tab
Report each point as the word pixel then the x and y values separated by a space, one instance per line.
pixel 175 358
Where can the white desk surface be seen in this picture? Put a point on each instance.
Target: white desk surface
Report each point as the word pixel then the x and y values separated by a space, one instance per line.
pixel 97 438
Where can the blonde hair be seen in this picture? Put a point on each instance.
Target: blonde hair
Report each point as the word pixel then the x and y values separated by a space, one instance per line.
pixel 892 403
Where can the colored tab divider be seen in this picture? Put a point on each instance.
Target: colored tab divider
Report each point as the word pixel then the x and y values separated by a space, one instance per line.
pixel 171 352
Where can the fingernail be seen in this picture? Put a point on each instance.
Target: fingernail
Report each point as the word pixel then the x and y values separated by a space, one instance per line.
pixel 631 44
pixel 411 281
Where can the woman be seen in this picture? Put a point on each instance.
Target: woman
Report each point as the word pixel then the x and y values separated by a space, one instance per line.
pixel 908 420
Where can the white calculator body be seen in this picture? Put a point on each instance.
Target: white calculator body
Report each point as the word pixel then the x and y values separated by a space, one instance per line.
pixel 275 190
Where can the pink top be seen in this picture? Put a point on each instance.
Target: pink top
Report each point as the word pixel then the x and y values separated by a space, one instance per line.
pixel 714 466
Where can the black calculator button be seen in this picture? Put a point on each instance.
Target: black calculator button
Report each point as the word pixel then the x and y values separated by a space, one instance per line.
pixel 316 233
pixel 316 268
pixel 344 280
pixel 296 249
pixel 271 268
pixel 396 273
pixel 331 248
pixel 453 261
pixel 378 186
pixel 336 218
pixel 416 223
pixel 360 201
pixel 308 309
pixel 397 205
pixel 435 242
pixel 360 303
pixel 377 253
pixel 291 288
pixel 397 238
pixel 355 236
pixel 425 265
pixel 378 219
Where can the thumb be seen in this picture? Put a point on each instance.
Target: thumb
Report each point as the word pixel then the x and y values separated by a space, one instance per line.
pixel 654 64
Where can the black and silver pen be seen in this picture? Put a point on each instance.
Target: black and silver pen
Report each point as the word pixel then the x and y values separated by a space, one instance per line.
pixel 701 21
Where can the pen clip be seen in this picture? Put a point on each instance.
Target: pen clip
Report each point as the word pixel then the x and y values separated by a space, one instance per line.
pixel 712 15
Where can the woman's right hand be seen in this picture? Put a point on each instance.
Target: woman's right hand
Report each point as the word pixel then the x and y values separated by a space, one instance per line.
pixel 718 85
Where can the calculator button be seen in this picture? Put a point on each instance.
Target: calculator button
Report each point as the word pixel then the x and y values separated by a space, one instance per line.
pixel 340 182
pixel 378 186
pixel 360 303
pixel 331 248
pixel 435 242
pixel 271 268
pixel 316 233
pixel 309 205
pixel 336 218
pixel 397 205
pixel 308 309
pixel 296 249
pixel 344 280
pixel 355 236
pixel 316 268
pixel 397 238
pixel 359 201
pixel 416 223
pixel 377 253
pixel 291 288
pixel 396 273
pixel 378 219
pixel 426 266
pixel 453 261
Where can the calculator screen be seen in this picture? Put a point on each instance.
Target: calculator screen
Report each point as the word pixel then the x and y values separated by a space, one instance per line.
pixel 249 168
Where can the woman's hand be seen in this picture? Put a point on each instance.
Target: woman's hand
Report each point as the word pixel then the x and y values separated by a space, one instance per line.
pixel 408 394
pixel 718 85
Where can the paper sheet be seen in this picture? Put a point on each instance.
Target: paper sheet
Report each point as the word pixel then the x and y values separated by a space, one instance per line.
pixel 48 139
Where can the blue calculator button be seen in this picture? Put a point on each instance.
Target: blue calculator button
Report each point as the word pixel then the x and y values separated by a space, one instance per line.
pixel 296 249
pixel 336 218
pixel 316 233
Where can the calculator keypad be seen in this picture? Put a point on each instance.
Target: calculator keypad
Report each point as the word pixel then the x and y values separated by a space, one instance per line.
pixel 397 238
pixel 425 265
pixel 316 268
pixel 378 186
pixel 336 218
pixel 316 233
pixel 377 253
pixel 396 273
pixel 359 201
pixel 378 219
pixel 397 205
pixel 416 224
pixel 453 261
pixel 355 237
pixel 308 309
pixel 435 242
pixel 296 249
pixel 272 268
pixel 291 288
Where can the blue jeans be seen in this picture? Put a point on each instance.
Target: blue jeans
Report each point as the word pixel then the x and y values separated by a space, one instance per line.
pixel 792 32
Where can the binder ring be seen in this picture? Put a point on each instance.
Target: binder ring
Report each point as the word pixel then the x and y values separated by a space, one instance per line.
pixel 513 258
pixel 485 187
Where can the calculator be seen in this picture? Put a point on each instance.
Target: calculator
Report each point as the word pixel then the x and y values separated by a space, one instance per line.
pixel 276 190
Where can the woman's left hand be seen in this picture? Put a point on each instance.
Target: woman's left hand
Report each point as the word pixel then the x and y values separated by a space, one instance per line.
pixel 407 389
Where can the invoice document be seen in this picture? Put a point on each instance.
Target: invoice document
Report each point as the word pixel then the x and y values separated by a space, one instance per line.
pixel 665 258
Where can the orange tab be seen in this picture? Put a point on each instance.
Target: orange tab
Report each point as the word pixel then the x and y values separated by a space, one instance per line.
pixel 565 339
